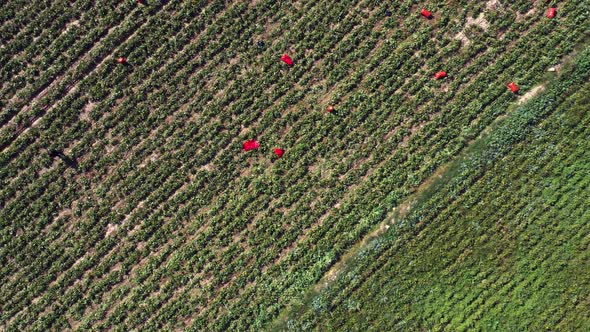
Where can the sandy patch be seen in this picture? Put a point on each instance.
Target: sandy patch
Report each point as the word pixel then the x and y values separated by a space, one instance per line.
pixel 493 4
pixel 85 114
pixel 480 21
pixel 111 228
pixel 533 92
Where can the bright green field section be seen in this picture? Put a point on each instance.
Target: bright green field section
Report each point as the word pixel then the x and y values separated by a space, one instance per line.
pixel 501 243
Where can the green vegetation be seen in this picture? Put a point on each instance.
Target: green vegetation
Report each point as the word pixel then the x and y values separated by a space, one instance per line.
pixel 500 243
pixel 126 199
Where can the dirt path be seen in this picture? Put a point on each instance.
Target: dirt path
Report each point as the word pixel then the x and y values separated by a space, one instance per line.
pixel 531 93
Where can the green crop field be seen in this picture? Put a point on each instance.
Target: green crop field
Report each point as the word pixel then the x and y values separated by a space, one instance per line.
pixel 141 187
pixel 501 243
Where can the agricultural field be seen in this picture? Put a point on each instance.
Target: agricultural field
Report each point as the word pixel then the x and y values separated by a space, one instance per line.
pixel 162 169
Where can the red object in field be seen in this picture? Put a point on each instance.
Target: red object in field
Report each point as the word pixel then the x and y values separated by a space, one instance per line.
pixel 552 12
pixel 440 74
pixel 330 109
pixel 426 13
pixel 141 2
pixel 513 87
pixel 122 60
pixel 287 59
pixel 279 152
pixel 251 145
